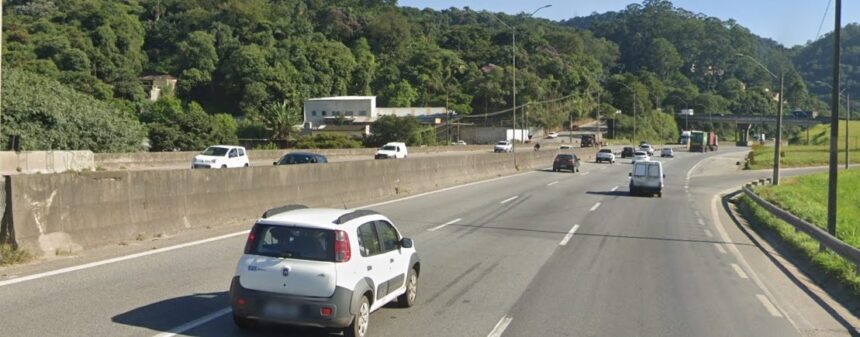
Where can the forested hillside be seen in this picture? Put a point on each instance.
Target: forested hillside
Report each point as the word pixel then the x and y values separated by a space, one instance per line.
pixel 815 64
pixel 258 60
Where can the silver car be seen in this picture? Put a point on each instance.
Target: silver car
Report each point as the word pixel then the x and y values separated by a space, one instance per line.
pixel 667 152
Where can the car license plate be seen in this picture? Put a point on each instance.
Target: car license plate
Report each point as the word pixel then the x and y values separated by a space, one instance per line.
pixel 281 311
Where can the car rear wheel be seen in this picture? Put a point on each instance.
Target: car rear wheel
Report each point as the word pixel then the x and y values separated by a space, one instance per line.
pixel 223 166
pixel 360 321
pixel 408 298
pixel 244 323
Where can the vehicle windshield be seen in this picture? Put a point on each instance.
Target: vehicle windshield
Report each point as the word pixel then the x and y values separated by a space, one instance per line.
pixel 389 148
pixel 606 151
pixel 502 143
pixel 293 243
pixel 565 157
pixel 215 151
pixel 640 154
pixel 653 170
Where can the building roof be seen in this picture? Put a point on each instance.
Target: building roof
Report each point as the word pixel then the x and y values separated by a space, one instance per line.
pixel 347 127
pixel 342 98
pixel 157 77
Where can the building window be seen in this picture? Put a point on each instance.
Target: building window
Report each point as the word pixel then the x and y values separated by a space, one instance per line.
pixel 314 113
pixel 362 113
pixel 324 113
pixel 335 113
pixel 349 113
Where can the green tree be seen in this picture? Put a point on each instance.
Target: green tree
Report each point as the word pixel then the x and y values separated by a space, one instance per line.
pixel 279 120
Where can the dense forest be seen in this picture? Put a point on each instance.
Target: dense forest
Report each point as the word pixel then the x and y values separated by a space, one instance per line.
pixel 244 67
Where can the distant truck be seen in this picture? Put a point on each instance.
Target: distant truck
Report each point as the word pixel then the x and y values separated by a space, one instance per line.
pixel 685 138
pixel 701 141
pixel 591 140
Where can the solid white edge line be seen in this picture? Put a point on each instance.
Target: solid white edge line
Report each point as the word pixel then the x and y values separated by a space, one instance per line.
pixel 117 259
pixel 720 248
pixel 740 271
pixel 552 183
pixel 194 243
pixel 568 236
pixel 444 224
pixel 500 327
pixel 768 305
pixel 509 199
pixel 195 323
pixel 614 189
pixel 740 257
pixel 709 234
pixel 593 208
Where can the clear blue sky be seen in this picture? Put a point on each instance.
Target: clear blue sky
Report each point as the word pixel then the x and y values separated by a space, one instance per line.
pixel 789 22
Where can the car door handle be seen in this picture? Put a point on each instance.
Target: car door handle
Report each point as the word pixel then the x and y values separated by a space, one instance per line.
pixel 369 267
pixel 392 260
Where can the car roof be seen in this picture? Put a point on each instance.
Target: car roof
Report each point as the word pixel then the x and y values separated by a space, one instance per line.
pixel 303 153
pixel 311 217
pixel 227 146
pixel 642 152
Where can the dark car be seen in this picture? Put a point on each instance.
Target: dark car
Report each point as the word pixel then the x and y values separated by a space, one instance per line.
pixel 566 162
pixel 295 158
pixel 627 152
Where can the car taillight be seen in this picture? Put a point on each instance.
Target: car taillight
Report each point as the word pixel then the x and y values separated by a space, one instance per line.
pixel 342 252
pixel 251 239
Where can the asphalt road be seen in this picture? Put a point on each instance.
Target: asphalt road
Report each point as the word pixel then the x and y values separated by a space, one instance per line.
pixel 633 266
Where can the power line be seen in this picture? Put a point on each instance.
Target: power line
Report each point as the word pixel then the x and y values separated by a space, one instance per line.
pixel 826 10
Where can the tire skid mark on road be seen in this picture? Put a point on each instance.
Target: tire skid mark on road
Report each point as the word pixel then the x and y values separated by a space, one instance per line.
pixel 457 296
pixel 446 287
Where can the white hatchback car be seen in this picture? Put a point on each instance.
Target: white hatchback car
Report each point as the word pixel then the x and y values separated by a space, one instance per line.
pixel 327 268
pixel 503 146
pixel 640 156
pixel 221 156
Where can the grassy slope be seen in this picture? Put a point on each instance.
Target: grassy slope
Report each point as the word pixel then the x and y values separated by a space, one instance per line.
pixel 800 156
pixel 806 197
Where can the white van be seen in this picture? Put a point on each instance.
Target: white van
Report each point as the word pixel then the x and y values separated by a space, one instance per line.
pixel 647 178
pixel 392 150
pixel 221 156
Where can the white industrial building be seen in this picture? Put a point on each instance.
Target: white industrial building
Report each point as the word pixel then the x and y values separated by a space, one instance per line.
pixel 319 112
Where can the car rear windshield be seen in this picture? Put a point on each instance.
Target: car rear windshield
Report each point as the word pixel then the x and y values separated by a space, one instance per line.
pixel 640 153
pixel 565 157
pixel 215 151
pixel 389 148
pixel 502 143
pixel 606 151
pixel 293 242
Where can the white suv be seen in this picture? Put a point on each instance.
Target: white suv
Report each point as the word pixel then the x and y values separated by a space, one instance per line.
pixel 605 155
pixel 221 156
pixel 503 146
pixel 327 268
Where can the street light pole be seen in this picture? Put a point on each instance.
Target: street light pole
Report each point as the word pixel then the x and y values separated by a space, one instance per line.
pixel 847 122
pixel 776 148
pixel 834 122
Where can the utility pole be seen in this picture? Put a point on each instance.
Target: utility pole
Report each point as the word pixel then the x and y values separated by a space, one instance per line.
pixel 847 122
pixel 514 56
pixel 776 148
pixel 1 64
pixel 834 122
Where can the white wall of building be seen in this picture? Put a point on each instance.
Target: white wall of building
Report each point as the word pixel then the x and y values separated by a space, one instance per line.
pixel 358 108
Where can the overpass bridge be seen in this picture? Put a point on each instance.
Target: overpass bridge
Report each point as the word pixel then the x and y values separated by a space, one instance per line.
pixel 744 123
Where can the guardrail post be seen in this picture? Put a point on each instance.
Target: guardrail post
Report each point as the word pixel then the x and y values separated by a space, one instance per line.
pixel 769 181
pixel 761 181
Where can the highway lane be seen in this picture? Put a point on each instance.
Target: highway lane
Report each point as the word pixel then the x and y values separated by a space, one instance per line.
pixel 645 267
pixel 635 266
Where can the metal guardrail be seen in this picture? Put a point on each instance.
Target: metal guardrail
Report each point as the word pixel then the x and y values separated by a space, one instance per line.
pixel 825 240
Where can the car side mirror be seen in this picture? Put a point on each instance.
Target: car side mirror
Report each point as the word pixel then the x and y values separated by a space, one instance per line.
pixel 275 163
pixel 630 174
pixel 406 243
pixel 664 176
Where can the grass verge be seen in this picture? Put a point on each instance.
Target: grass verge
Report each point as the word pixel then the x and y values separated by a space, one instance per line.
pixel 11 255
pixel 761 157
pixel 806 197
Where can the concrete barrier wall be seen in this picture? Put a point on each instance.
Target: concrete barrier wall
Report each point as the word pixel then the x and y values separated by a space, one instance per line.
pixel 29 162
pixel 72 211
pixel 173 160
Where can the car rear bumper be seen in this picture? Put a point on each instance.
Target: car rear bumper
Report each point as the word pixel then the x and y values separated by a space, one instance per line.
pixel 290 309
pixel 646 189
pixel 201 166
pixel 381 156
